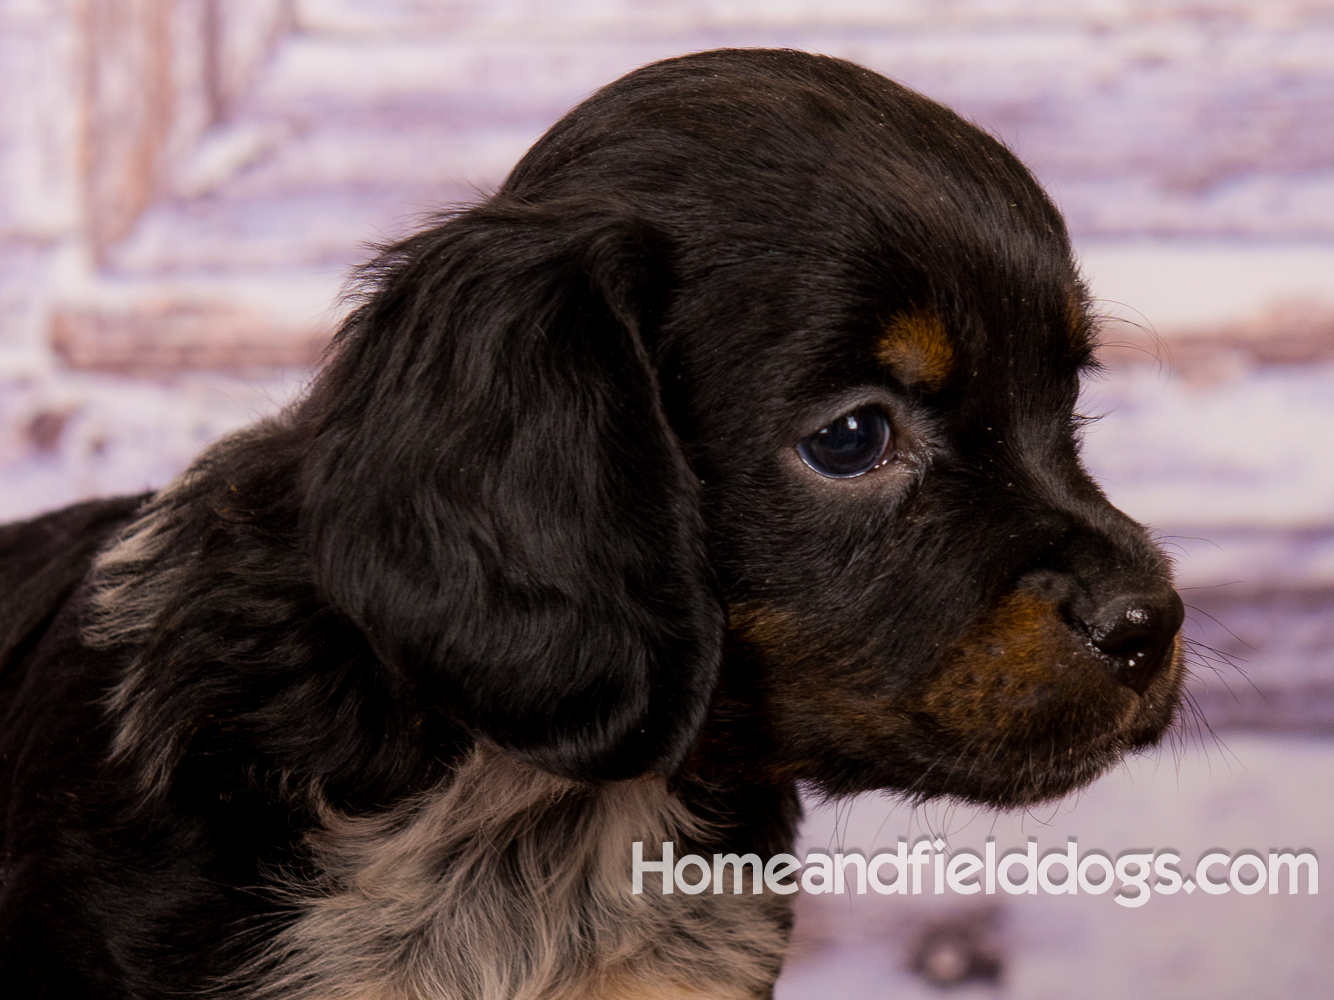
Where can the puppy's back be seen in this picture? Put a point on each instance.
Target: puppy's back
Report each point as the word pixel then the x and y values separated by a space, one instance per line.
pixel 42 561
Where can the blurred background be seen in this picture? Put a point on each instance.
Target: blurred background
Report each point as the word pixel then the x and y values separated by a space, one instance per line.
pixel 185 183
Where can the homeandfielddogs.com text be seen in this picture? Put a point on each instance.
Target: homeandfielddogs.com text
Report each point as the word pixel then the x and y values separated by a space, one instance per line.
pixel 929 867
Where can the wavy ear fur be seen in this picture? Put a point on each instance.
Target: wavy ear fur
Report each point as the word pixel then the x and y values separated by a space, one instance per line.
pixel 495 498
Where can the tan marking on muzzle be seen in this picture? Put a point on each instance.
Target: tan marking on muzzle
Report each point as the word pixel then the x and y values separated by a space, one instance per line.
pixel 1013 666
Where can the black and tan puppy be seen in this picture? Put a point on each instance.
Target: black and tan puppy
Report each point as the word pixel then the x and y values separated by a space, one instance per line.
pixel 730 445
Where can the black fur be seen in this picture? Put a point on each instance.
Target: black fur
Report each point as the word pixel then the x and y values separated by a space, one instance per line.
pixel 544 493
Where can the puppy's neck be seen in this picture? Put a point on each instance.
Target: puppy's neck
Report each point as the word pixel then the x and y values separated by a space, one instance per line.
pixel 533 872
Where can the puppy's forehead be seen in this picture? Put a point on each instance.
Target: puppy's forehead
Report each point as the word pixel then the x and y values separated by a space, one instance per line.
pixel 818 222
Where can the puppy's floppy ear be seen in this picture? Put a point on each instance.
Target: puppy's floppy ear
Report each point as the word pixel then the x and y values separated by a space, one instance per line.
pixel 493 494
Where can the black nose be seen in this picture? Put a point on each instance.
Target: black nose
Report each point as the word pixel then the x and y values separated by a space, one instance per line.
pixel 1135 632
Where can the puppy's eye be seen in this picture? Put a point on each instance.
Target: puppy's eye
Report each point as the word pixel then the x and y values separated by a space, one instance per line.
pixel 854 443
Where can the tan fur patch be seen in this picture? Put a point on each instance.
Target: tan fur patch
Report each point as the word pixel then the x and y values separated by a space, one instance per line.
pixel 774 630
pixel 509 884
pixel 133 583
pixel 917 347
pixel 1010 668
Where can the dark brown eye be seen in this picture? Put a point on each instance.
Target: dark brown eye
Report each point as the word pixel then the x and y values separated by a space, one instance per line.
pixel 853 444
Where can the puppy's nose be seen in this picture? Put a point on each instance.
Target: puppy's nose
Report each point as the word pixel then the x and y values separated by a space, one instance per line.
pixel 1135 631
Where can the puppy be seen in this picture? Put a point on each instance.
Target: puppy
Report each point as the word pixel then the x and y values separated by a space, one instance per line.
pixel 730 445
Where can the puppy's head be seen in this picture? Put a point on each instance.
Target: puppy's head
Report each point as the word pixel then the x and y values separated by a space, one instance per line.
pixel 761 360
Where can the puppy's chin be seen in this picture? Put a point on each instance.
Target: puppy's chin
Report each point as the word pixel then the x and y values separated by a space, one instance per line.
pixel 1019 710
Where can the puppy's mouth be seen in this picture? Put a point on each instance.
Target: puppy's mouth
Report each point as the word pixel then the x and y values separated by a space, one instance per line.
pixel 1022 708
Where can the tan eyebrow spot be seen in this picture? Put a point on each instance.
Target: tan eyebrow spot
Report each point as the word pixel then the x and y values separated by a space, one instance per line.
pixel 916 346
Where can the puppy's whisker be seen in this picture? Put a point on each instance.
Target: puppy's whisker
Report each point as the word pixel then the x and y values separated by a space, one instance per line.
pixel 1220 625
